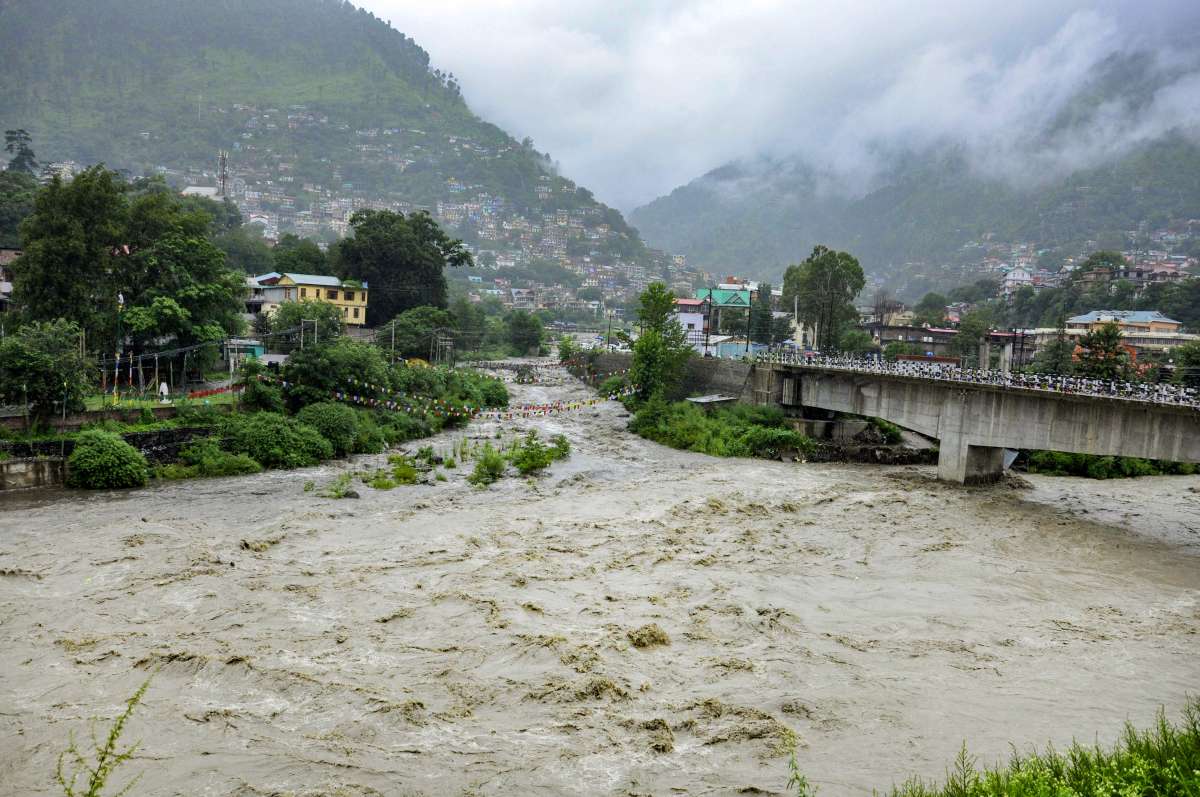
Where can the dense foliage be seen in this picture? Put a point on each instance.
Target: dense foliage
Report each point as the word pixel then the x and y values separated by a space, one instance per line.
pixel 273 440
pixel 41 364
pixel 661 352
pixel 1057 463
pixel 739 431
pixel 337 423
pixel 823 287
pixel 126 262
pixel 102 460
pixel 315 373
pixel 401 258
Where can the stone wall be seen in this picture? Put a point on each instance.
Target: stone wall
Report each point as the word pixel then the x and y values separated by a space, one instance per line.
pixel 72 423
pixel 158 447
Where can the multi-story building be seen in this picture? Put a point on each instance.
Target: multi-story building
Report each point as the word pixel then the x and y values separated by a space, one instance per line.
pixel 268 291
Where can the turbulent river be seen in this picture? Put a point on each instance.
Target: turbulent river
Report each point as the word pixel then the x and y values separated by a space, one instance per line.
pixel 443 639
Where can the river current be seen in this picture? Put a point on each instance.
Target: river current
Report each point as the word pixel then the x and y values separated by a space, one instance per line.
pixel 444 639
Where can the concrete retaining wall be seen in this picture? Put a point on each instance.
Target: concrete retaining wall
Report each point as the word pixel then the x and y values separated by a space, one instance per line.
pixel 20 474
pixel 704 375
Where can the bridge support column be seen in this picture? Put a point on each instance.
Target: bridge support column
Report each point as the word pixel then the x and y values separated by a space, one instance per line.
pixel 960 462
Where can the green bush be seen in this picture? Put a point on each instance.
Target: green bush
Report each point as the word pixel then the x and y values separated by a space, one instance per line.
pixel 337 423
pixel 892 433
pixel 739 431
pixel 404 470
pixel 274 441
pixel 370 438
pixel 488 467
pixel 207 459
pixel 1057 463
pixel 259 395
pixel 102 460
pixel 530 455
pixel 175 471
pixel 612 386
pixel 400 427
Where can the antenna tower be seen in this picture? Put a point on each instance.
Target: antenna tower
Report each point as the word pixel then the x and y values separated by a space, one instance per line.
pixel 223 172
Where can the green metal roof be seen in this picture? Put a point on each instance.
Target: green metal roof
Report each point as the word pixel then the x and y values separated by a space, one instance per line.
pixel 725 298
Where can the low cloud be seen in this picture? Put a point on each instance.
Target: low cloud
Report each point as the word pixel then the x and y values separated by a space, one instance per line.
pixel 634 99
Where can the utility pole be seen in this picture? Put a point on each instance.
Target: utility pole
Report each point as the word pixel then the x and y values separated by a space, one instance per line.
pixel 708 321
pixel 393 341
pixel 749 316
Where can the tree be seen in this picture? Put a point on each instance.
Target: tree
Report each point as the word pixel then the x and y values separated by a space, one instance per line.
pixel 41 364
pixel 412 331
pixel 781 328
pixel 319 321
pixel 656 307
pixel 1103 355
pixel 316 372
pixel 94 245
pixel 661 351
pixel 245 250
pixel 1057 356
pixel 760 316
pixel 401 258
pixel 931 310
pixel 18 191
pixel 524 332
pixel 856 341
pixel 298 256
pixel 823 287
pixel 70 241
pixel 1187 364
pixel 18 143
pixel 973 327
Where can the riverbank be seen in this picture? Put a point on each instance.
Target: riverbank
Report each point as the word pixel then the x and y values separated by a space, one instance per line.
pixel 445 638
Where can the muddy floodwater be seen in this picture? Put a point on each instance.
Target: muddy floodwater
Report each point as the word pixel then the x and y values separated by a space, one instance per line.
pixel 443 639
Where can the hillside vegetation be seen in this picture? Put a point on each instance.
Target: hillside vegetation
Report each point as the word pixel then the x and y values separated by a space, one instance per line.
pixel 143 85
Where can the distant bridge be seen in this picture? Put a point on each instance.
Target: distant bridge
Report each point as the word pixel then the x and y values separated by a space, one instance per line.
pixel 974 423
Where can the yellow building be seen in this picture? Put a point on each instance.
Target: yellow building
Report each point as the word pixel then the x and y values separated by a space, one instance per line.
pixel 1130 322
pixel 269 291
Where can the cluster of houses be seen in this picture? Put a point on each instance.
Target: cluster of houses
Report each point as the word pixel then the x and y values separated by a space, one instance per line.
pixel 558 222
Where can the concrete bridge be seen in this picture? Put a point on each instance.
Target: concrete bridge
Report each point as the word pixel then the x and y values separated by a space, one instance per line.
pixel 975 423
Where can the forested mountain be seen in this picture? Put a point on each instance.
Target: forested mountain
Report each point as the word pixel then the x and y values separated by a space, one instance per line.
pixel 311 97
pixel 759 215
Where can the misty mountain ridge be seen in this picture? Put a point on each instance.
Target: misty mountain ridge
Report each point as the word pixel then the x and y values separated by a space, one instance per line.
pixel 758 214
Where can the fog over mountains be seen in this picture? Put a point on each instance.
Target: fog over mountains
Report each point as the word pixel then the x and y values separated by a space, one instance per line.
pixel 861 124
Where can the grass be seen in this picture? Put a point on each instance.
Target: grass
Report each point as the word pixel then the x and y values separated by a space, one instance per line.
pixel 489 467
pixel 340 487
pixel 108 756
pixel 105 401
pixel 1163 761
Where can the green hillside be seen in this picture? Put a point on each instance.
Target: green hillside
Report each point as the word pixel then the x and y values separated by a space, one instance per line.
pixel 314 90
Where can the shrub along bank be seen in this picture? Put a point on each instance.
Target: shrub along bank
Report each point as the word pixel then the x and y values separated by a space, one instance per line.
pixel 263 435
pixel 1056 463
pixel 738 431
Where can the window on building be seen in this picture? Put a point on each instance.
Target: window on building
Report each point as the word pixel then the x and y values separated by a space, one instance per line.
pixel 331 294
pixel 303 292
pixel 348 295
pixel 287 293
pixel 356 312
pixel 345 311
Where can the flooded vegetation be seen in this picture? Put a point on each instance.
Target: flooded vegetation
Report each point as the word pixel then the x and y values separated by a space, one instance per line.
pixel 634 620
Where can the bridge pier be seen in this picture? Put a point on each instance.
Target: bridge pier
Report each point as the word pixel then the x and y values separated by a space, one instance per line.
pixel 961 462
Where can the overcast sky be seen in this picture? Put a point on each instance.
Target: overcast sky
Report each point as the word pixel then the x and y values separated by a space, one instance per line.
pixel 635 97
